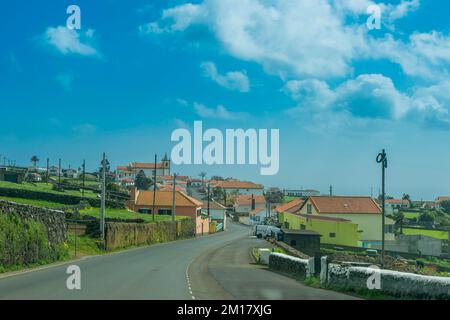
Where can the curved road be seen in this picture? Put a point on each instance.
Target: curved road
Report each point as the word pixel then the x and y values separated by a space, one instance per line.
pixel 203 268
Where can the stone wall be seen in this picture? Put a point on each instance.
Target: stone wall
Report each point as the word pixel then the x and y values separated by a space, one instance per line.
pixel 394 283
pixel 122 235
pixel 53 220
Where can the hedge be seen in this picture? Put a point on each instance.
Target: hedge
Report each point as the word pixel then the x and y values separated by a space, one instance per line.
pixel 59 198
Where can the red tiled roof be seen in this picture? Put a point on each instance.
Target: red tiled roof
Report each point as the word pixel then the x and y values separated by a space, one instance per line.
pixel 440 199
pixel 245 199
pixel 290 205
pixel 165 198
pixel 353 205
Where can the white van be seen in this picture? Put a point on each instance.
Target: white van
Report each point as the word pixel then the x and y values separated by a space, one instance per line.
pixel 265 231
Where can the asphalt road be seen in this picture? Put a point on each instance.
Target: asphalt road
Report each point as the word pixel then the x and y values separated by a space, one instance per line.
pixel 165 271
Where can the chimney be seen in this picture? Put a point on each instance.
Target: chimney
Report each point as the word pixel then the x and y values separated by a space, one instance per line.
pixel 253 203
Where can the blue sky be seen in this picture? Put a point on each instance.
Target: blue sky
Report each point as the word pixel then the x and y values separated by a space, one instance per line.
pixel 337 91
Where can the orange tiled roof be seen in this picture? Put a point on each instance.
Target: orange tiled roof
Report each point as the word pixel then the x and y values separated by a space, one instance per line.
pixel 213 205
pixel 164 198
pixel 147 166
pixel 234 184
pixel 397 201
pixel 290 205
pixel 440 199
pixel 245 199
pixel 256 211
pixel 353 205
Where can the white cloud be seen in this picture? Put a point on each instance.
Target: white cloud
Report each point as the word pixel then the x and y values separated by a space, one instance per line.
pixel 220 112
pixel 68 41
pixel 233 80
pixel 371 96
pixel 299 38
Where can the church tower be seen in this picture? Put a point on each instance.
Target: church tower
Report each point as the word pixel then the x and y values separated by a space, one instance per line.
pixel 166 164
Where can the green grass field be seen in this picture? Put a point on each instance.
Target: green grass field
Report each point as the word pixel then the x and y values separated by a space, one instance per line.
pixel 411 215
pixel 288 199
pixel 45 187
pixel 125 214
pixel 443 235
pixel 36 203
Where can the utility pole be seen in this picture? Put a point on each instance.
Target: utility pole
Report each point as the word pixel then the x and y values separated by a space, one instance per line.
pixel 59 173
pixel 84 175
pixel 102 206
pixel 154 189
pixel 174 197
pixel 48 169
pixel 382 159
pixel 331 190
pixel 209 199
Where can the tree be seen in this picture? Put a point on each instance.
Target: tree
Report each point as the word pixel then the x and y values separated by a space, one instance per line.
pixel 203 175
pixel 445 205
pixel 274 195
pixel 426 218
pixel 406 197
pixel 217 178
pixel 141 182
pixel 399 218
pixel 35 160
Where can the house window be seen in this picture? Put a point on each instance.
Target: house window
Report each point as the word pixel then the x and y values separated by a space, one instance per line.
pixel 165 212
pixel 145 211
pixel 293 243
pixel 302 227
pixel 332 235
pixel 309 209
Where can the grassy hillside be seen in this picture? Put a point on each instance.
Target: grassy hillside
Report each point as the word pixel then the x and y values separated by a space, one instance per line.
pixel 45 187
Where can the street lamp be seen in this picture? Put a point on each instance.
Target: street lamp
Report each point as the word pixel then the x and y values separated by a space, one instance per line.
pixel 382 159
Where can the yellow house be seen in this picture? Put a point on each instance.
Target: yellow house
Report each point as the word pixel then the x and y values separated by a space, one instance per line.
pixel 362 211
pixel 336 231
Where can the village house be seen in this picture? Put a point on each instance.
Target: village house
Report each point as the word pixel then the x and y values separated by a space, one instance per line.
pixel 335 231
pixel 291 206
pixel 217 212
pixel 142 201
pixel 363 211
pixel 439 201
pixel 239 187
pixel 130 171
pixel 246 203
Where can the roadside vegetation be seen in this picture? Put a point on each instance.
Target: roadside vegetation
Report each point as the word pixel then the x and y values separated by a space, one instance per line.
pixel 126 215
pixel 47 188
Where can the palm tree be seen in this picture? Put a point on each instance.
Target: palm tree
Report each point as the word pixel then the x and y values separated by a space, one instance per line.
pixel 203 175
pixel 35 160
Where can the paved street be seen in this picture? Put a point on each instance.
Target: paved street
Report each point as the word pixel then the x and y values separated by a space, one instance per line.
pixel 161 272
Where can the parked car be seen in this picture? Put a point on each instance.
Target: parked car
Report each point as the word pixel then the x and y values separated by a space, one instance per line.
pixel 265 231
